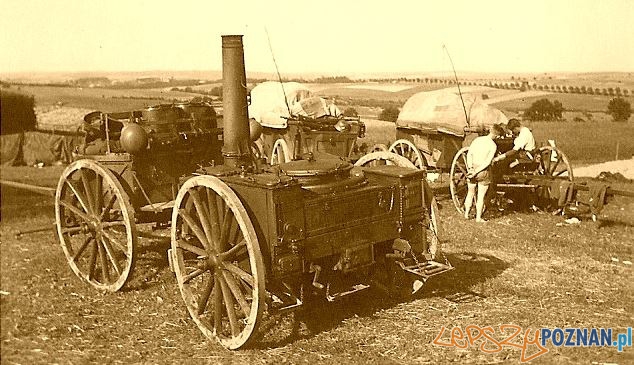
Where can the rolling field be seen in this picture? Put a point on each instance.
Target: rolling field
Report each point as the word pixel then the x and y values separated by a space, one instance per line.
pixel 571 102
pixel 106 100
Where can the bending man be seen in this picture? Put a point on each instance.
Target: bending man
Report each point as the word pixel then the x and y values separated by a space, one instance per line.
pixel 523 144
pixel 479 158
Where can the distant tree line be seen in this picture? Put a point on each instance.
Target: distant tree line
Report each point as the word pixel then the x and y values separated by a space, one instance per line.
pixel 546 110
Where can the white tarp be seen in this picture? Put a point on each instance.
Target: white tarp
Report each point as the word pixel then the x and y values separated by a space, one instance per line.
pixel 267 102
pixel 442 111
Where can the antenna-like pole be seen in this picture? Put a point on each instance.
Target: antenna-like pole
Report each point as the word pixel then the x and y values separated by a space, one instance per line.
pixel 458 83
pixel 279 77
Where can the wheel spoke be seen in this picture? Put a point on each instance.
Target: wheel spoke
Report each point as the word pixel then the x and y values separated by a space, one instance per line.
pixel 231 313
pixel 80 197
pixel 217 301
pixel 105 234
pixel 89 194
pixel 213 213
pixel 192 275
pixel 92 261
pixel 228 255
pixel 82 248
pixel 200 252
pixel 237 293
pixel 111 257
pixel 98 194
pixel 248 278
pixel 201 211
pixel 227 221
pixel 204 298
pixel 221 213
pixel 75 210
pixel 108 206
pixel 105 275
pixel 194 227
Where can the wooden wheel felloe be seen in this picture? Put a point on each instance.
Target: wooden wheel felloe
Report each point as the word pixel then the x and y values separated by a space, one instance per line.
pixel 280 153
pixel 458 183
pixel 553 163
pixel 408 150
pixel 217 261
pixel 95 224
pixel 384 158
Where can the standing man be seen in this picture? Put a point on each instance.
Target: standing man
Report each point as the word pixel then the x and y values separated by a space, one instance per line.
pixel 523 145
pixel 479 158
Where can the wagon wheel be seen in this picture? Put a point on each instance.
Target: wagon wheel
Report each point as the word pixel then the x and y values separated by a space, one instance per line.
pixel 407 149
pixel 458 183
pixel 217 261
pixel 95 224
pixel 553 163
pixel 280 153
pixel 384 158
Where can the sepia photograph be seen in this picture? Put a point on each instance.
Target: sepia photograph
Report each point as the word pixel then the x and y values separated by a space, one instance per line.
pixel 324 182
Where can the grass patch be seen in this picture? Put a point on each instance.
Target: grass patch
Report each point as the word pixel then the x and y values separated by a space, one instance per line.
pixel 587 142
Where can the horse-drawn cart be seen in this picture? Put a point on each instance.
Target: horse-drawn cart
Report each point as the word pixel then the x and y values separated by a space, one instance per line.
pixel 126 175
pixel 532 175
pixel 295 123
pixel 433 126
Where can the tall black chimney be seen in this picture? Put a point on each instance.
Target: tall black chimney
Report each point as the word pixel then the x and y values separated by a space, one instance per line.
pixel 236 148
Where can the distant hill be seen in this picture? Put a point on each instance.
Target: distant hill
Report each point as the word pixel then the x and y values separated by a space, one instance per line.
pixel 623 80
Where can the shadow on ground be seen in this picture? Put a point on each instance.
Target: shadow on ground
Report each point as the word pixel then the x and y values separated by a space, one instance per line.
pixel 470 269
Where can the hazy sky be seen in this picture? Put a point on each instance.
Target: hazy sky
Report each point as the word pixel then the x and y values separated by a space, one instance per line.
pixel 335 37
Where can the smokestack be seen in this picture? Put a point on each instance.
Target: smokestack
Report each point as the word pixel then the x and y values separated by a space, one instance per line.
pixel 236 149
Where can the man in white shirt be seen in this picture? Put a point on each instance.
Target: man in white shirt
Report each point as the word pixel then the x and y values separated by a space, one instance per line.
pixel 523 145
pixel 479 158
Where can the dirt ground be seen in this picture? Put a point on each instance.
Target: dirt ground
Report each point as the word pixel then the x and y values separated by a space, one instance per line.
pixel 529 269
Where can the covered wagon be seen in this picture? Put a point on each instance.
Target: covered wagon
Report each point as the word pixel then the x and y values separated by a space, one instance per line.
pixel 295 122
pixel 434 125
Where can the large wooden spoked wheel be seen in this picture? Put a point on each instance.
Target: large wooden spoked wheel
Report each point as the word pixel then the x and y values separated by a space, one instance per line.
pixel 280 153
pixel 217 261
pixel 407 149
pixel 553 163
pixel 384 158
pixel 458 183
pixel 95 224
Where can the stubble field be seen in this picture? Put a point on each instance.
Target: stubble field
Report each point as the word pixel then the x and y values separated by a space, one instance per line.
pixel 528 269
pixel 524 269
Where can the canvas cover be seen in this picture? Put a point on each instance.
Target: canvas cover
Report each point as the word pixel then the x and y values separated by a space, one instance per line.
pixel 315 107
pixel 442 111
pixel 11 145
pixel 267 102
